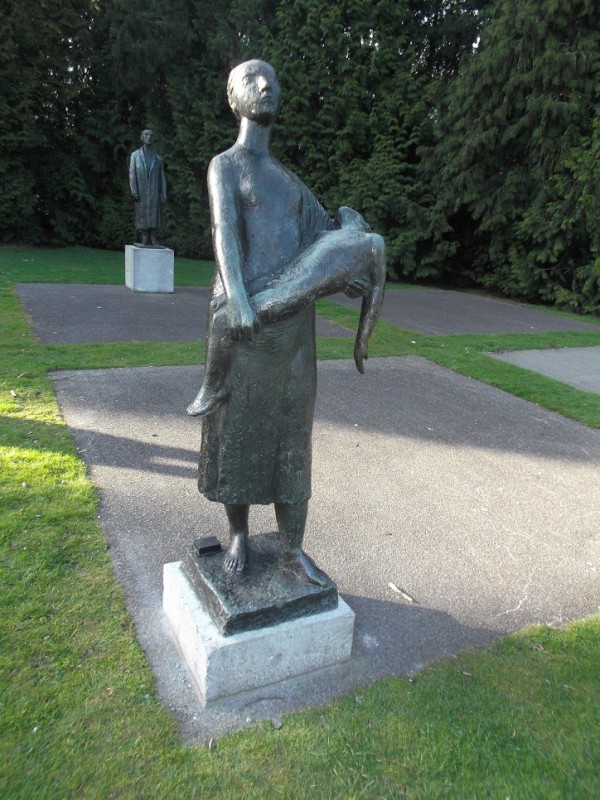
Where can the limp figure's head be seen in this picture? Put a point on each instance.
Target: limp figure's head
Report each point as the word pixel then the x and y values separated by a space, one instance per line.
pixel 253 92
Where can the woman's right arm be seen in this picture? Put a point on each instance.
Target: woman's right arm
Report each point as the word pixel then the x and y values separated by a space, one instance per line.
pixel 226 233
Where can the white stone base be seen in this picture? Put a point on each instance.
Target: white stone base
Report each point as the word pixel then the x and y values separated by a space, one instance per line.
pixel 225 665
pixel 149 269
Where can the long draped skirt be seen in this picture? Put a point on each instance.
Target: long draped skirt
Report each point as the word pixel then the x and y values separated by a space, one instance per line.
pixel 256 444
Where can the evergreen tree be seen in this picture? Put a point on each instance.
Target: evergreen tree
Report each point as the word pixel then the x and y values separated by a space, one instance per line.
pixel 82 79
pixel 200 123
pixel 25 75
pixel 515 154
pixel 445 31
pixel 478 164
pixel 354 111
pixel 55 116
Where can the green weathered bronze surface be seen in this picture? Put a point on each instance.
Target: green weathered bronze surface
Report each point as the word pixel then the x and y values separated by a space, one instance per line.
pixel 261 596
pixel 277 251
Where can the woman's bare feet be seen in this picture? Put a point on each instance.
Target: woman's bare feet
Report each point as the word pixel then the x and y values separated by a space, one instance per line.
pixel 236 556
pixel 302 565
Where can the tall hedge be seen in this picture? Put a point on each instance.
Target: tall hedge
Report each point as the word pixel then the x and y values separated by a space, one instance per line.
pixel 465 131
pixel 517 155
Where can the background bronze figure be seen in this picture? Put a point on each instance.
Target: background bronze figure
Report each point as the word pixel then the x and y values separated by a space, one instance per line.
pixel 148 188
pixel 276 251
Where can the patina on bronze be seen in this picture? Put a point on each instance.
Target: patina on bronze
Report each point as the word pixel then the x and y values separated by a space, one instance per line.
pixel 263 595
pixel 148 189
pixel 277 251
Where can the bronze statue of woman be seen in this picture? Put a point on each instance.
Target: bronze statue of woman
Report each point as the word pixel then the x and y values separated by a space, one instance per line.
pixel 277 251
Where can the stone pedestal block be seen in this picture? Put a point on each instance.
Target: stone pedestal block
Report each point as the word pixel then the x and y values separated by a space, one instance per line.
pixel 225 665
pixel 149 269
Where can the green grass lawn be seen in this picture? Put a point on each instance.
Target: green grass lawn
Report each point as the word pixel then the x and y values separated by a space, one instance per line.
pixel 85 265
pixel 80 718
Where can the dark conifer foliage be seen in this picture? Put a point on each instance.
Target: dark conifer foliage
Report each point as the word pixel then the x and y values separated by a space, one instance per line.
pixel 41 74
pixel 516 153
pixel 465 131
pixel 355 111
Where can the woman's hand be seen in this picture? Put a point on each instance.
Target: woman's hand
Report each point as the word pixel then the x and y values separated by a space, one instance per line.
pixel 242 321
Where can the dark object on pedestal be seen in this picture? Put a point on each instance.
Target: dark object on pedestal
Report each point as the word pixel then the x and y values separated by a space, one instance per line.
pixel 206 547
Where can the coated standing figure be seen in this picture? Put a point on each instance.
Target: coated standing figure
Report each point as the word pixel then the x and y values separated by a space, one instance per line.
pixel 148 188
pixel 276 251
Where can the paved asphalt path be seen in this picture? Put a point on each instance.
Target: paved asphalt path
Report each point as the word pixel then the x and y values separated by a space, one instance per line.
pixel 577 366
pixel 480 506
pixel 71 313
pixel 439 312
pixel 74 313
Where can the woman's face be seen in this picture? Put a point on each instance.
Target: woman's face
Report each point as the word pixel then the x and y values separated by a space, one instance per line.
pixel 254 91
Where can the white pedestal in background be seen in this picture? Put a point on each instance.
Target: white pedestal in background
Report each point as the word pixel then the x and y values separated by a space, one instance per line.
pixel 149 269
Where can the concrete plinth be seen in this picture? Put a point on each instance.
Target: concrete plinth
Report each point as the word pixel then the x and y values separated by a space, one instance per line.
pixel 225 665
pixel 149 269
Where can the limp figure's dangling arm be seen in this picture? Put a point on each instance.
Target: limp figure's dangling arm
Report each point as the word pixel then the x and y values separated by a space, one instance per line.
pixel 225 216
